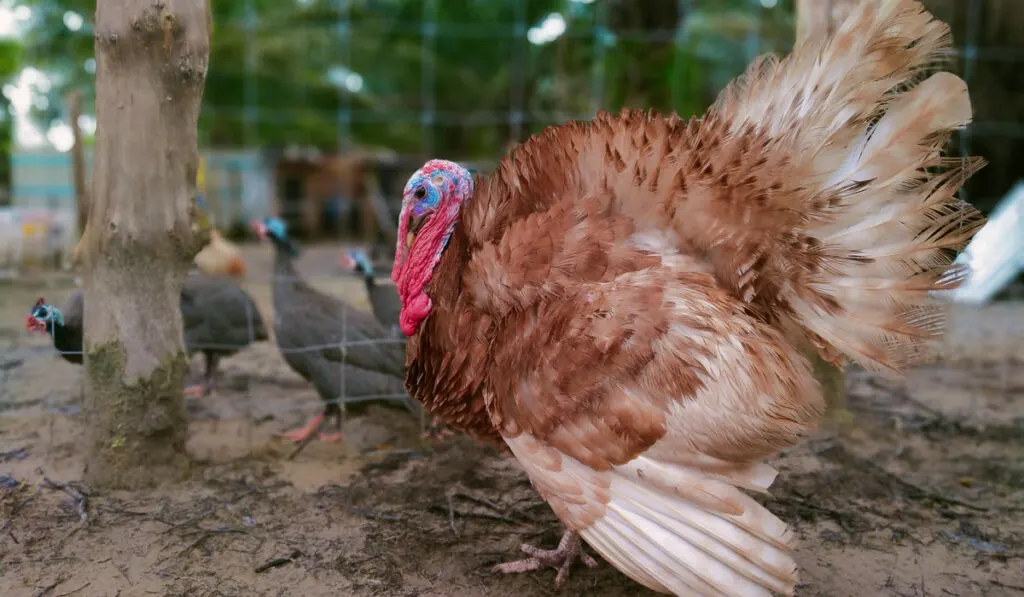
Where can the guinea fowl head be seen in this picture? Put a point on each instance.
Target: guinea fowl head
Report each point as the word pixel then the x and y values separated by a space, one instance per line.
pixel 357 260
pixel 43 317
pixel 431 202
pixel 274 230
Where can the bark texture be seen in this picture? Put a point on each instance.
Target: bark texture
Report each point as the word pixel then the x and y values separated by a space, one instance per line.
pixel 141 234
pixel 823 17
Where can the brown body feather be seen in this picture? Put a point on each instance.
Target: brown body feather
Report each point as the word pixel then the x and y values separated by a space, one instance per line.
pixel 623 300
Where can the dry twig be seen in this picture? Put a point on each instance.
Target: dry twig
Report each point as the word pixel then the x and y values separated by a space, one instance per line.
pixel 274 563
pixel 453 511
pixel 50 587
pixel 79 498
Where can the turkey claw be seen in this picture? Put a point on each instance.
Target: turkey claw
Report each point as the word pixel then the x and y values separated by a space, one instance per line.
pixel 561 558
pixel 437 433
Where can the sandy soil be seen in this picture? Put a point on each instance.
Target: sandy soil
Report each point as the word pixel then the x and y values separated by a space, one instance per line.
pixel 921 495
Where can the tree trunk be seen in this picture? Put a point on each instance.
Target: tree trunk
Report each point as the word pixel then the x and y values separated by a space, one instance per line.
pixel 78 160
pixel 822 18
pixel 141 235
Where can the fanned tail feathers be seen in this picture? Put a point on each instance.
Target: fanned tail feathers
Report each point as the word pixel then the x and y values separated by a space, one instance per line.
pixel 875 197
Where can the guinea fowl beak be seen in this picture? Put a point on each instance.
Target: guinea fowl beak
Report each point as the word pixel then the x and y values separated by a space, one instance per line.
pixel 33 325
pixel 259 229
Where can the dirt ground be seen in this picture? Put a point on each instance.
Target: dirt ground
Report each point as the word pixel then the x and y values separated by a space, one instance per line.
pixel 922 494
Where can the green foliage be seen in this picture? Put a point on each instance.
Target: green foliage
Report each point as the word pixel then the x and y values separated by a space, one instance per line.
pixel 451 77
pixel 10 64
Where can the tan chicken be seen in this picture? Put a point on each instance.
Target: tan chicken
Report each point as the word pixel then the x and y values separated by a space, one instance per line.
pixel 220 258
pixel 622 303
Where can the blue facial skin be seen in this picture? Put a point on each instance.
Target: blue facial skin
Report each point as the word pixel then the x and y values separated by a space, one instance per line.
pixel 276 228
pixel 278 233
pixel 49 315
pixel 429 201
pixel 362 260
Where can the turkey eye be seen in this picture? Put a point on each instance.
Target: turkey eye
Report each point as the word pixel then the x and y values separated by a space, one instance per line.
pixel 420 194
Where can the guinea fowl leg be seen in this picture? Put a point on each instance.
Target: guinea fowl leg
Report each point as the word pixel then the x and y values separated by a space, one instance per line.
pixel 212 361
pixel 195 392
pixel 304 434
pixel 209 384
pixel 336 412
pixel 561 558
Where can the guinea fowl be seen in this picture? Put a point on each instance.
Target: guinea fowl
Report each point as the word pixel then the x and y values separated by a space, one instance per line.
pixel 218 319
pixel 63 325
pixel 626 304
pixel 387 307
pixel 217 314
pixel 309 328
pixel 383 297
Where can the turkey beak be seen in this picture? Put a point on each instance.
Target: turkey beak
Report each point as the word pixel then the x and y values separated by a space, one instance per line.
pixel 415 223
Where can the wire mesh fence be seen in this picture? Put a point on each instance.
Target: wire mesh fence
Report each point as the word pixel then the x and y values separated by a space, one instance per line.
pixel 265 375
pixel 294 89
pixel 464 79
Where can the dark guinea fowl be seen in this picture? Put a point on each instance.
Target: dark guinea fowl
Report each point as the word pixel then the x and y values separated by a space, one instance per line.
pixel 387 306
pixel 219 319
pixel 215 316
pixel 63 325
pixel 384 298
pixel 308 328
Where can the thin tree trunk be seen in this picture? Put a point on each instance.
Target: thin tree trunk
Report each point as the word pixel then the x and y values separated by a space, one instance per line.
pixel 151 63
pixel 823 18
pixel 78 159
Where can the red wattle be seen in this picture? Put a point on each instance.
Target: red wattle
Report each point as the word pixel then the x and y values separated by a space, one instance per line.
pixel 414 312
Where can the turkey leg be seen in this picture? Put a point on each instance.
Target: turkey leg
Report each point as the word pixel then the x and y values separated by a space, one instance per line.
pixel 561 558
pixel 432 430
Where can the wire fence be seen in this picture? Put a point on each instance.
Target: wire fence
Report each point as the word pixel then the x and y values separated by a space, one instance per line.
pixel 289 95
pixel 337 361
pixel 463 79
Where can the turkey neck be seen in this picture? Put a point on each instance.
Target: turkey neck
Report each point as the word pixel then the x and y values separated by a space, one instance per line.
pixel 448 384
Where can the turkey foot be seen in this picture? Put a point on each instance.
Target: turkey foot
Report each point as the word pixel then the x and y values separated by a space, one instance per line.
pixel 437 433
pixel 433 430
pixel 560 558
